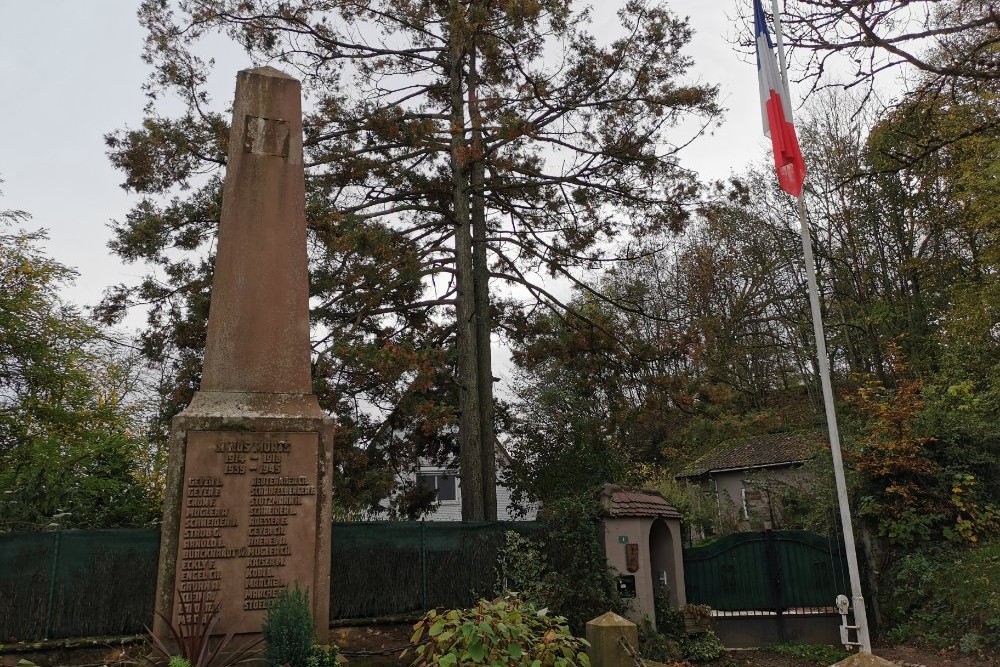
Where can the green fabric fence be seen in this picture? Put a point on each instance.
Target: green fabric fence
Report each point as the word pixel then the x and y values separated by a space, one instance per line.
pixel 384 568
pixel 85 583
pixel 77 583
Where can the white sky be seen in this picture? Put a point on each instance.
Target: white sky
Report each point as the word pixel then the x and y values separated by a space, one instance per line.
pixel 71 71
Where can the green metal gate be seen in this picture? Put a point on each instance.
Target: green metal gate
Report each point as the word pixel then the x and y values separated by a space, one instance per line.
pixel 780 571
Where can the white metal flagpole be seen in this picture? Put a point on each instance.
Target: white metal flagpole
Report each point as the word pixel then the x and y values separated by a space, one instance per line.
pixel 860 614
pixel 780 43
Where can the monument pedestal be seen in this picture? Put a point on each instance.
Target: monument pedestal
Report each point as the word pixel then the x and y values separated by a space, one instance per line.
pixel 248 508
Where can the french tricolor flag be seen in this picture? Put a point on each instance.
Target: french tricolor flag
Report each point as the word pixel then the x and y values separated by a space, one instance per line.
pixel 776 110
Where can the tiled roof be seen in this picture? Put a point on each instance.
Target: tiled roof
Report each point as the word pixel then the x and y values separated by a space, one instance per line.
pixel 772 449
pixel 619 501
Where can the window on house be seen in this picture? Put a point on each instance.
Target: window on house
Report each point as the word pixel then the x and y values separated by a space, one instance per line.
pixel 445 484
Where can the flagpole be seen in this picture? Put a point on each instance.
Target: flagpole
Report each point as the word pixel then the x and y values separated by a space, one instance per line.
pixel 860 614
pixel 791 173
pixel 779 38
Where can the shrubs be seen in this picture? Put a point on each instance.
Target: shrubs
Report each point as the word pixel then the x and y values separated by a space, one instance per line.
pixel 667 644
pixel 288 629
pixel 323 655
pixel 658 646
pixel 579 583
pixel 564 570
pixel 669 619
pixel 701 647
pixel 288 633
pixel 505 631
pixel 946 596
pixel 670 640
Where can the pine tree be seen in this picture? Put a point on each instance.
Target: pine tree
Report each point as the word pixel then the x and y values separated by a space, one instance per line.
pixel 450 145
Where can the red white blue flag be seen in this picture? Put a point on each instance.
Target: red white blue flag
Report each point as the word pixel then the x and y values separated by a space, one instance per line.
pixel 776 110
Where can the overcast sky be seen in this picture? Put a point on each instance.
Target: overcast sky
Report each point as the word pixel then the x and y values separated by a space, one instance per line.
pixel 71 71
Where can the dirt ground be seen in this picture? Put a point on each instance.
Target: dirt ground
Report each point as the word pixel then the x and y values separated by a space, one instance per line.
pixel 903 655
pixel 380 647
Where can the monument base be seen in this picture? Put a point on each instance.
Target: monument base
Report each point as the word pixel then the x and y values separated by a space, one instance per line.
pixel 247 510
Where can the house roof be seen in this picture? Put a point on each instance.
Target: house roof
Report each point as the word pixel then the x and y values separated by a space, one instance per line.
pixel 619 501
pixel 759 451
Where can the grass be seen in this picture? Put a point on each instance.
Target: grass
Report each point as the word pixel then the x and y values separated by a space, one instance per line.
pixel 819 654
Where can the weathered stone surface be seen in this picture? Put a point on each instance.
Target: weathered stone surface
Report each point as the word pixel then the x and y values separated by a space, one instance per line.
pixel 247 522
pixel 193 442
pixel 247 507
pixel 258 329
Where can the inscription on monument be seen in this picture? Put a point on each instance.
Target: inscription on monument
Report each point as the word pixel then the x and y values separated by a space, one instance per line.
pixel 249 501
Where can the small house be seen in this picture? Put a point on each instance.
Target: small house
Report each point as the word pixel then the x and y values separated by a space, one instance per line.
pixel 642 544
pixel 444 479
pixel 747 477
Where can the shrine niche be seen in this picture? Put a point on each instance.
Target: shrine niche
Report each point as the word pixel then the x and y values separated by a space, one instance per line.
pixel 642 542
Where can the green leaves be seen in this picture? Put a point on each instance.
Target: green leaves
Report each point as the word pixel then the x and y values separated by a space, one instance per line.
pixel 563 569
pixel 505 631
pixel 288 629
pixel 945 595
pixel 72 451
pixel 437 627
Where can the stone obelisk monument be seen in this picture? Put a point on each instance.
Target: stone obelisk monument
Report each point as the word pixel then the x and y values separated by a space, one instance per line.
pixel 247 508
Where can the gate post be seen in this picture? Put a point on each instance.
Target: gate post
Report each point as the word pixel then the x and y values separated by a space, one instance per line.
pixel 614 641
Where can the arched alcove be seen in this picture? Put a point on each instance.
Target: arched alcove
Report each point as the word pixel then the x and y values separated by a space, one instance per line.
pixel 661 558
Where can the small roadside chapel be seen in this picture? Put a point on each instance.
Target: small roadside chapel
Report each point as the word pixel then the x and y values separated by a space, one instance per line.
pixel 642 542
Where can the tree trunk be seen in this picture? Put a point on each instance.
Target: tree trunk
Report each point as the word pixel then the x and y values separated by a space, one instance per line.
pixel 481 279
pixel 876 562
pixel 469 437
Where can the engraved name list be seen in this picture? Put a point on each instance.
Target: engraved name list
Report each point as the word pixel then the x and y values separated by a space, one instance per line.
pixel 249 501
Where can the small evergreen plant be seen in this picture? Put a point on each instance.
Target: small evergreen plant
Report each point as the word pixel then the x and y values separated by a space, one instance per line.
pixel 702 647
pixel 288 629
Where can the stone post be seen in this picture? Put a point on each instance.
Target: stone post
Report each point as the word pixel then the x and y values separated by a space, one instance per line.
pixel 247 508
pixel 611 638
